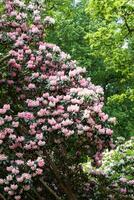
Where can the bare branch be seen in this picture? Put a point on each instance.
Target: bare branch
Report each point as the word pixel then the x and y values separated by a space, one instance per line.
pixel 39 197
pixel 50 190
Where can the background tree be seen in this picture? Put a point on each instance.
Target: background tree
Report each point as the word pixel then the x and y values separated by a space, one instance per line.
pixel 106 51
pixel 112 40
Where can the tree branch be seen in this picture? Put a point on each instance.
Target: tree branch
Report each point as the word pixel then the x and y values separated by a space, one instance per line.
pixel 66 188
pixel 39 197
pixel 1 196
pixel 49 189
pixel 127 26
pixel 4 58
pixel 30 196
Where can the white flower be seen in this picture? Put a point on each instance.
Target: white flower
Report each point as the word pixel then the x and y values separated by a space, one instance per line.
pixel 49 20
pixel 56 49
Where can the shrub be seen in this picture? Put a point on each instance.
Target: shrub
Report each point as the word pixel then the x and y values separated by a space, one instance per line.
pixel 115 178
pixel 51 115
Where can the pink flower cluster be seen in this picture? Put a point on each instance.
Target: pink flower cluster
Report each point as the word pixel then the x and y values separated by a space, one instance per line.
pixel 5 108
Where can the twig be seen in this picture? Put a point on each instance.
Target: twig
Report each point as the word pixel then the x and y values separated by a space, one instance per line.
pixel 1 150
pixel 4 58
pixel 30 196
pixel 37 194
pixel 49 189
pixel 3 198
pixel 127 26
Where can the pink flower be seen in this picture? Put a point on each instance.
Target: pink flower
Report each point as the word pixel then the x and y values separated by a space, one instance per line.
pixel 64 78
pixel 1 181
pixel 35 75
pixel 39 136
pixel 6 106
pixel 46 95
pixel 102 130
pixel 41 143
pixel 103 116
pixel 26 115
pixel 69 133
pixel 73 108
pixel 9 130
pixel 30 163
pixel 67 97
pixel 42 47
pixel 57 126
pixel 32 103
pixel 6 189
pixel 20 179
pixel 52 121
pixel 123 190
pixel 41 162
pixel 67 122
pixel 20 139
pixel 9 178
pixel 41 112
pixel 15 171
pixel 26 187
pixel 17 197
pixel 14 187
pixel 3 157
pixel 9 169
pixel 72 73
pixel 39 171
pixel 1 122
pixel 15 124
pixel 76 101
pixel 53 82
pixel 35 29
pixel 12 136
pixel 131 182
pixel 19 155
pixel 99 89
pixel 11 193
pixel 3 111
pixel 26 176
pixel 83 82
pixel 37 18
pixel 123 180
pixel 86 128
pixel 31 86
pixel 109 131
pixel 8 118
pixel 19 162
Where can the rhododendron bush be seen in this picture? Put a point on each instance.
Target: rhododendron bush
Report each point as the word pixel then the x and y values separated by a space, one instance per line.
pixel 51 115
pixel 115 178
